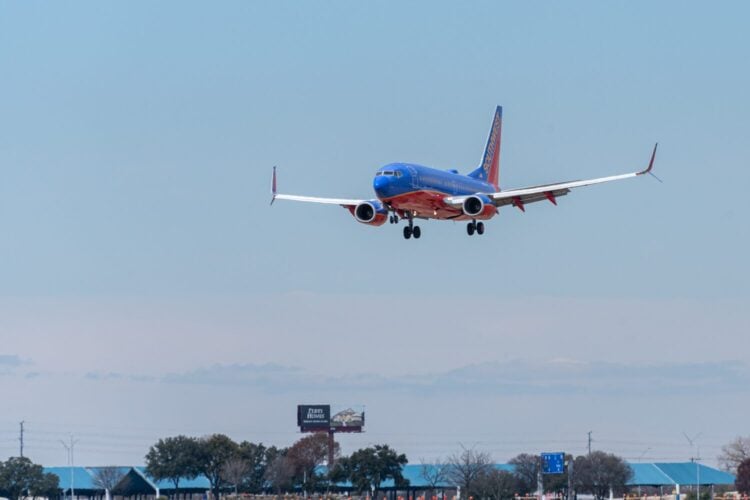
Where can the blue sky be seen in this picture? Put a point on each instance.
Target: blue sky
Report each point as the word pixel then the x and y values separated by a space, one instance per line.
pixel 137 246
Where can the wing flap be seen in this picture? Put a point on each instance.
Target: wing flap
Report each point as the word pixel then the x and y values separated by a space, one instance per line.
pixel 531 198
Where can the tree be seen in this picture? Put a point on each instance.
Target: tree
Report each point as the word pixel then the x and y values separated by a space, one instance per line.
pixel 234 471
pixel 173 459
pixel 599 472
pixel 20 477
pixel 434 474
pixel 742 481
pixel 214 451
pixel 48 486
pixel 367 468
pixel 255 456
pixel 495 484
pixel 258 458
pixel 106 478
pixel 279 473
pixel 306 455
pixel 734 453
pixel 464 468
pixel 526 469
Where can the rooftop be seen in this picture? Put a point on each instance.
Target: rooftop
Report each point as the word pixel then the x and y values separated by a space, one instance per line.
pixel 644 474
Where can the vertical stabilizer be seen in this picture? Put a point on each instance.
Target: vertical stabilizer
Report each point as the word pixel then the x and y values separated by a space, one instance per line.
pixel 489 170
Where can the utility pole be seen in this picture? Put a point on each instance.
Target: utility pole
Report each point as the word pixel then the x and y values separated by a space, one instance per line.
pixel 20 438
pixel 590 442
pixel 69 448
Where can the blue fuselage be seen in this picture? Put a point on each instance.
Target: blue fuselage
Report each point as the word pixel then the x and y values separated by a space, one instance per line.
pixel 399 179
pixel 414 190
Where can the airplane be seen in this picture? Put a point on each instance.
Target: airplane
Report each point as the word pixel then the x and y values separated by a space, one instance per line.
pixel 406 191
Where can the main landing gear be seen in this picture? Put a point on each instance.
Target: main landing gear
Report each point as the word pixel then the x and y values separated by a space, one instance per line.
pixel 473 226
pixel 412 230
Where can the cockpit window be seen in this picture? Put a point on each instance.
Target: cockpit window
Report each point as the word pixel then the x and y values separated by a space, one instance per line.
pixel 389 173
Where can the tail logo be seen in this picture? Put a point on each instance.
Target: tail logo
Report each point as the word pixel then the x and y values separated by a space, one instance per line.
pixel 489 165
pixel 492 146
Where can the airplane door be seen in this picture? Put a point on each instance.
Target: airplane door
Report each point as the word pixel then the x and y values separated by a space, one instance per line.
pixel 414 177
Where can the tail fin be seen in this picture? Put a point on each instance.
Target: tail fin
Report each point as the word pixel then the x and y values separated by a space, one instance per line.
pixel 489 170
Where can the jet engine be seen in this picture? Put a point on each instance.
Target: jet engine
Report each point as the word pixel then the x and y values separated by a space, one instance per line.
pixel 479 206
pixel 371 212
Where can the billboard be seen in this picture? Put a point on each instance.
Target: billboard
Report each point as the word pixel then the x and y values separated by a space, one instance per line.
pixel 348 420
pixel 553 463
pixel 314 418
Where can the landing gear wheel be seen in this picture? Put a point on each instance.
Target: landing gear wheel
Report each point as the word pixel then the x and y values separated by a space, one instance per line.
pixel 395 219
pixel 417 232
pixel 407 232
pixel 390 219
pixel 480 227
pixel 470 228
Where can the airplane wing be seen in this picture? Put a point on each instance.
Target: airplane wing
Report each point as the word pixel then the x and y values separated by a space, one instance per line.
pixel 344 202
pixel 519 197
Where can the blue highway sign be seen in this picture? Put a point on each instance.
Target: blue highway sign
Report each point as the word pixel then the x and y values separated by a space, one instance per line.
pixel 553 463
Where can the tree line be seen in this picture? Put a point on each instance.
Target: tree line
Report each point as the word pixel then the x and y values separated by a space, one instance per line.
pixel 254 468
pixel 244 467
pixel 247 467
pixel 474 471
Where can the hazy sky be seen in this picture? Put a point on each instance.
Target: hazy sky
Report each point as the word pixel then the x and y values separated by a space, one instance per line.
pixel 148 289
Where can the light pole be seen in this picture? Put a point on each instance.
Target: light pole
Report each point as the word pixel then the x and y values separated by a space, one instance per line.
pixel 695 459
pixel 639 461
pixel 69 449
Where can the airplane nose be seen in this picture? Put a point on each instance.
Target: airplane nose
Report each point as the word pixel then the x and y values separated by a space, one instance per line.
pixel 380 184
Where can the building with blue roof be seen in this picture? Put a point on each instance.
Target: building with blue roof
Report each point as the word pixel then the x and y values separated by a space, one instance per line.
pixel 78 479
pixel 135 482
pixel 644 474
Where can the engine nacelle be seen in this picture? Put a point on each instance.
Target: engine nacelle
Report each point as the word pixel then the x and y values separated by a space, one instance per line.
pixel 479 206
pixel 371 212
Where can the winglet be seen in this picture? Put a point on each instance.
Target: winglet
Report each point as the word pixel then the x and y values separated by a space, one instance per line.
pixel 273 185
pixel 651 163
